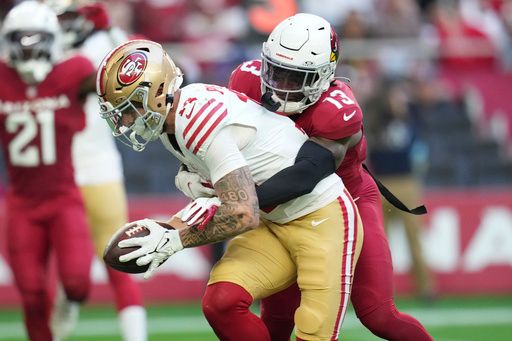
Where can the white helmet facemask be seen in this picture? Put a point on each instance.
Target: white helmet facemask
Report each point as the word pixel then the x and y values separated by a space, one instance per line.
pixel 294 89
pixel 145 125
pixel 298 62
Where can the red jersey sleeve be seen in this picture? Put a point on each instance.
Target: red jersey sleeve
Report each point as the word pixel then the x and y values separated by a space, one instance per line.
pixel 336 115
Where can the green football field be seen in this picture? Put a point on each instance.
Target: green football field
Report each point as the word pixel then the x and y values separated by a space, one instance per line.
pixel 448 319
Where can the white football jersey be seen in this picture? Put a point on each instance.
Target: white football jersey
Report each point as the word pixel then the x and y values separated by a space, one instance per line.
pixel 95 156
pixel 204 110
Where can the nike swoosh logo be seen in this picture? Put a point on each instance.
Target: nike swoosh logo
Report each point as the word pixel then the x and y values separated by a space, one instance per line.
pixel 315 223
pixel 191 111
pixel 348 117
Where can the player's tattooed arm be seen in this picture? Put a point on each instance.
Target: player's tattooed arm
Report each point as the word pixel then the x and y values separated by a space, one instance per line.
pixel 238 212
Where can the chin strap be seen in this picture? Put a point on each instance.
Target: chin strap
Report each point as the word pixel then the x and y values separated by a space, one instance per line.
pixel 269 103
pixel 136 145
pixel 139 129
pixel 169 99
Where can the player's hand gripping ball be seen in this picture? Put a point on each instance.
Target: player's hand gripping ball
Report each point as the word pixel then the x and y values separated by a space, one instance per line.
pixel 113 251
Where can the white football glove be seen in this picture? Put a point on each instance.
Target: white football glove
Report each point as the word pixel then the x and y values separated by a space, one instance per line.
pixel 200 211
pixel 192 184
pixel 155 248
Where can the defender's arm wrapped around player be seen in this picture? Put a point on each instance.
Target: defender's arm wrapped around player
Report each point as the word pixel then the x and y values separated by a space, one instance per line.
pixel 312 164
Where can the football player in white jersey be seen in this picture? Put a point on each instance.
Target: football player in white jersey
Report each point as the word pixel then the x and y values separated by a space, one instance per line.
pixel 236 144
pixel 98 167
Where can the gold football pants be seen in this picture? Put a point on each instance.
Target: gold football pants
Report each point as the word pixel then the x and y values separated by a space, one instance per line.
pixel 318 251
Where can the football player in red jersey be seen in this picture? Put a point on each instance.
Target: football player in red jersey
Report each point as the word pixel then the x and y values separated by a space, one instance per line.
pixel 296 77
pixel 41 102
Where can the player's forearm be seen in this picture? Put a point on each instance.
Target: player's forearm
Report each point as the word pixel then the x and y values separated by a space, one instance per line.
pixel 237 214
pixel 222 227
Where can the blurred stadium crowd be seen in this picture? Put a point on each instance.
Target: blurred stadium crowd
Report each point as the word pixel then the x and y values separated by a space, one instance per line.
pixel 433 77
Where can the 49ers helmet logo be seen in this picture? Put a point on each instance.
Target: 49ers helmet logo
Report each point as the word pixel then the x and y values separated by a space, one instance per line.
pixel 132 67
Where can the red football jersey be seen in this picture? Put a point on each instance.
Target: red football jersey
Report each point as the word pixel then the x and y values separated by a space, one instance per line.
pixel 334 116
pixel 37 124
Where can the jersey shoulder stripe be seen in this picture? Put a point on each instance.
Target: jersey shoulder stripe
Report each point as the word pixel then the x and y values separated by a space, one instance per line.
pixel 202 124
pixel 209 131
pixel 196 116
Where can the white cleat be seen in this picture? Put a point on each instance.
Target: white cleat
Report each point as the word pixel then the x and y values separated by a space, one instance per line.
pixel 64 316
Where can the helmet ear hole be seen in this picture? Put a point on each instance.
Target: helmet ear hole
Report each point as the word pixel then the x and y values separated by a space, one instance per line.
pixel 160 90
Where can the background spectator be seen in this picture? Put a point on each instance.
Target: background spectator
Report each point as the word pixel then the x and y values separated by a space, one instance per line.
pixel 396 154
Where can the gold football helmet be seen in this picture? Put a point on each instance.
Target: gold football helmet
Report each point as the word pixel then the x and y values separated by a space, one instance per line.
pixel 135 83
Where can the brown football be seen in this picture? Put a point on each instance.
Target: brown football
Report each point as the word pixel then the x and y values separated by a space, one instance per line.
pixel 112 251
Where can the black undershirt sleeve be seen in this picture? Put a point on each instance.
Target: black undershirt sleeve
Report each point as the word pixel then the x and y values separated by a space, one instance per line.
pixel 312 164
